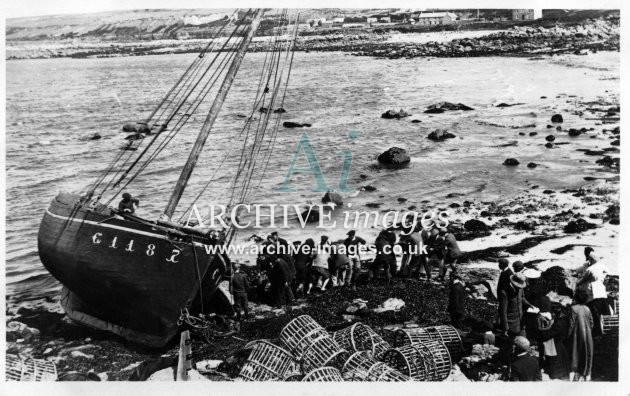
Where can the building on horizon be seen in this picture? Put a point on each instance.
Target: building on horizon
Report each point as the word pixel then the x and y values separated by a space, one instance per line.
pixel 435 18
pixel 526 14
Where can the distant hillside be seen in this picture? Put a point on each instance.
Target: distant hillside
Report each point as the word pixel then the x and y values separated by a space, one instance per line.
pixel 147 24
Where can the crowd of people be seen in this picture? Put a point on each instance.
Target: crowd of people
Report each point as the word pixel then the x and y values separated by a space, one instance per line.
pixel 318 266
pixel 564 336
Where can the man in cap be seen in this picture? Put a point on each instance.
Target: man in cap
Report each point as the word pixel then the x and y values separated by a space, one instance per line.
pixel 128 204
pixel 524 366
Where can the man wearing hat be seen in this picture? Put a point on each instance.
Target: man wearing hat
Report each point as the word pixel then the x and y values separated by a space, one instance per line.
pixel 524 366
pixel 511 305
pixel 128 204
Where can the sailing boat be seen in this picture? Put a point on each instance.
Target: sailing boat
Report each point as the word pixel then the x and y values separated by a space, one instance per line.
pixel 137 277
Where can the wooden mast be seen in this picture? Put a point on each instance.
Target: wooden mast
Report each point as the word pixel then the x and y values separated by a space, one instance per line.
pixel 211 117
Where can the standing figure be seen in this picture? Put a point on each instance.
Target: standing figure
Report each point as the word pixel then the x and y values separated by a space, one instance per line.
pixel 451 254
pixel 239 287
pixel 504 277
pixel 435 251
pixel 385 256
pixel 592 282
pixel 551 332
pixel 511 306
pixel 457 302
pixel 580 339
pixel 319 269
pixel 352 243
pixel 302 260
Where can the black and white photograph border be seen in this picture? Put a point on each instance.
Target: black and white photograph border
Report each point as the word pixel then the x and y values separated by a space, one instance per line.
pixel 426 193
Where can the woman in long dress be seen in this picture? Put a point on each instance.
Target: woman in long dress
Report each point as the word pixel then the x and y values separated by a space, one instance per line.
pixel 581 339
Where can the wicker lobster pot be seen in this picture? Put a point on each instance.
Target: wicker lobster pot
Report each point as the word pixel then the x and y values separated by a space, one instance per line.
pixel 323 352
pixel 441 357
pixel 415 361
pixel 451 338
pixel 362 366
pixel 359 337
pixel 446 333
pixel 300 333
pixel 267 362
pixel 410 336
pixel 19 369
pixel 323 374
pixel 359 366
pixel 389 374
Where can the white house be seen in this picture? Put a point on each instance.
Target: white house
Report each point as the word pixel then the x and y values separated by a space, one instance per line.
pixel 436 18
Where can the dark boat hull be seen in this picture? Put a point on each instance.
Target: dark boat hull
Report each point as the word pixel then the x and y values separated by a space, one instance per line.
pixel 122 276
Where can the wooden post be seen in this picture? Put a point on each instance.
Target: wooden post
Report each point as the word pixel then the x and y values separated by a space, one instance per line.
pixel 183 363
pixel 212 115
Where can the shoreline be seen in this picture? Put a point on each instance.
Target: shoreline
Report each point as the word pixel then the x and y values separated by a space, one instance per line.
pixel 77 348
pixel 596 35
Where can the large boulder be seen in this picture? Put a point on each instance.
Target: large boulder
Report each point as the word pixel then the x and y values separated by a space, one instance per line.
pixel 129 127
pixel 550 138
pixel 511 162
pixel 332 196
pixel 475 225
pixel 577 226
pixel 439 135
pixel 395 156
pixel 290 124
pixel 557 118
pixel 447 106
pixel 393 114
pixel 608 161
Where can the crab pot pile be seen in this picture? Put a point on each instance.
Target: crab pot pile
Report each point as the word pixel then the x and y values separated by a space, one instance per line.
pixel 447 334
pixel 20 369
pixel 356 353
pixel 425 361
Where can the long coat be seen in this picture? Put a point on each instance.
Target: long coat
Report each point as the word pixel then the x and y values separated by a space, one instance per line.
pixel 511 309
pixel 581 340
pixel 457 298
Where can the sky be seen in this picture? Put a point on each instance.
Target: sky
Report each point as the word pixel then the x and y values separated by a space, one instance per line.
pixel 25 8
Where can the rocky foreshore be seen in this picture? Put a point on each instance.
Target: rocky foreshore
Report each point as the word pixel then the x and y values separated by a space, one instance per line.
pixel 593 35
pixel 545 229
